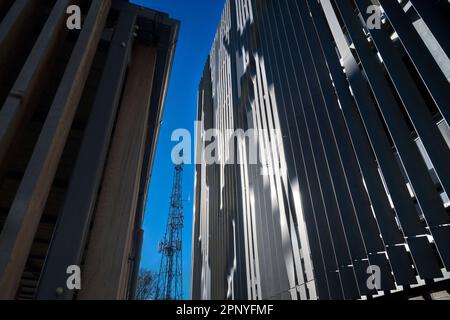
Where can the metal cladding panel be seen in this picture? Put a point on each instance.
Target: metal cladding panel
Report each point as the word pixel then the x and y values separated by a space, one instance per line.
pixel 401 265
pixel 362 173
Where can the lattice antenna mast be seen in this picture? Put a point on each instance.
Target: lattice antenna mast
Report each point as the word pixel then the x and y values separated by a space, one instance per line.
pixel 170 277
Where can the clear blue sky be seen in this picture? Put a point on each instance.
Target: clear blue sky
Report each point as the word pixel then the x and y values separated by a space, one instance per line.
pixel 199 21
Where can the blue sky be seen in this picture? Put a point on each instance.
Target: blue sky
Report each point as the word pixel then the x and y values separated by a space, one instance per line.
pixel 199 21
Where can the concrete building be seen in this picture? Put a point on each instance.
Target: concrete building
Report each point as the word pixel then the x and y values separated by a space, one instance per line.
pixel 356 183
pixel 79 122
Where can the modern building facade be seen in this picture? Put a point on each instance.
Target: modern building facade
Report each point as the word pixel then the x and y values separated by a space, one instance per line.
pixel 79 121
pixel 350 100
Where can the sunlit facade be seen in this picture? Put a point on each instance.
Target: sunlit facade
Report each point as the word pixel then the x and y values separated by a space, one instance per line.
pixel 356 181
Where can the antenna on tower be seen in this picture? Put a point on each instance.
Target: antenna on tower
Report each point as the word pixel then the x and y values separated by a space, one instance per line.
pixel 170 278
